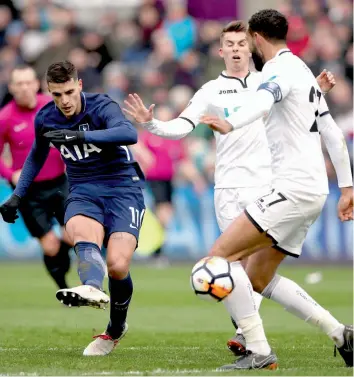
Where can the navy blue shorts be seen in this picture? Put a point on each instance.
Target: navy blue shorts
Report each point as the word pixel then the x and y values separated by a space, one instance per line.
pixel 118 209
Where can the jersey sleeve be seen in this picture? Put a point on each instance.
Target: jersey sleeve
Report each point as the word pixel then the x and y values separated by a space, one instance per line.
pixel 197 107
pixel 275 80
pixel 187 121
pixel 336 147
pixel 118 129
pixel 323 107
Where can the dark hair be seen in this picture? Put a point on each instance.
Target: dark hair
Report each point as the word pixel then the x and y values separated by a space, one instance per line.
pixel 22 67
pixel 270 23
pixel 233 26
pixel 61 72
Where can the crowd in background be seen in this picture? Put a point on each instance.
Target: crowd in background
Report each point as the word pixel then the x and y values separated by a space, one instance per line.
pixel 159 50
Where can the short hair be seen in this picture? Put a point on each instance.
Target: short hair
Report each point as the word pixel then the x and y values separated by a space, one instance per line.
pixel 270 23
pixel 233 26
pixel 61 72
pixel 22 67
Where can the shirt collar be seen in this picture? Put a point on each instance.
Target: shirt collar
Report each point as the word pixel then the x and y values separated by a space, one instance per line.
pixel 282 51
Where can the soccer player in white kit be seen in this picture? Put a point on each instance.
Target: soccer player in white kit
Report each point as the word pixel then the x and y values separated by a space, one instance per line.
pixel 243 168
pixel 276 224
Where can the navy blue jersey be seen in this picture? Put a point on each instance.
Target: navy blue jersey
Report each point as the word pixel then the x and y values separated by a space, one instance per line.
pixel 103 156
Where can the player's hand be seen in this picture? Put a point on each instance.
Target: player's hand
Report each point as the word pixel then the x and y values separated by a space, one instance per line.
pixel 137 110
pixel 326 81
pixel 216 124
pixel 345 204
pixel 15 177
pixel 65 136
pixel 9 209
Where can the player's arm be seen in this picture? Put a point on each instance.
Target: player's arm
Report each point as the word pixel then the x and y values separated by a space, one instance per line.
pixel 118 130
pixel 337 148
pixel 32 166
pixel 173 129
pixel 274 88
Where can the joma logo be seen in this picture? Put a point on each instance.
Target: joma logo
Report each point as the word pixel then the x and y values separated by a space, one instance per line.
pixel 228 91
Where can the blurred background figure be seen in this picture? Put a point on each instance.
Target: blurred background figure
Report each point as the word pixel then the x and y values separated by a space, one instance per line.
pixel 165 50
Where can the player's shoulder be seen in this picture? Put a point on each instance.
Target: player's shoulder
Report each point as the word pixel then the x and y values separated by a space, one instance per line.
pixel 47 111
pixel 8 110
pixel 209 85
pixel 97 99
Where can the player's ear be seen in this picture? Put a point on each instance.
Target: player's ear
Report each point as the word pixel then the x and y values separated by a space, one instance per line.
pixel 221 52
pixel 80 84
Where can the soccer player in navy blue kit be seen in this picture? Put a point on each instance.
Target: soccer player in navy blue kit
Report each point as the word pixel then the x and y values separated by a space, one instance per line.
pixel 105 203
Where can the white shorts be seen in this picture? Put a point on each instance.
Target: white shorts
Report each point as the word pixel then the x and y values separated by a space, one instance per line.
pixel 286 216
pixel 231 202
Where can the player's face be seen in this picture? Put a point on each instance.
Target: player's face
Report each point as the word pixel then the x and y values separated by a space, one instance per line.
pixel 235 51
pixel 67 96
pixel 254 45
pixel 24 87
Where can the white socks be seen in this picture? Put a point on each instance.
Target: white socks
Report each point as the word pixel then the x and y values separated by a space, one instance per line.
pixel 294 299
pixel 241 306
pixel 257 300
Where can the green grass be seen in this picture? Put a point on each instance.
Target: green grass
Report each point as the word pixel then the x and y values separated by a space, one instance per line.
pixel 171 331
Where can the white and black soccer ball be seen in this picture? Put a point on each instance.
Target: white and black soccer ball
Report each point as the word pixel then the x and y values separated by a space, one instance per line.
pixel 211 279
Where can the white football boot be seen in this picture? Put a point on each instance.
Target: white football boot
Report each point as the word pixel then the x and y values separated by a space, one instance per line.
pixel 103 344
pixel 83 295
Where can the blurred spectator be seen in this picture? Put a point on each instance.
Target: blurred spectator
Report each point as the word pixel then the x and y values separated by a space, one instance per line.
pixel 95 46
pixel 115 81
pixel 5 20
pixel 180 27
pixel 59 46
pixel 89 75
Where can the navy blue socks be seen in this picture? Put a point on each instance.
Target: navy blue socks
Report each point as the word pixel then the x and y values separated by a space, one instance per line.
pixel 91 266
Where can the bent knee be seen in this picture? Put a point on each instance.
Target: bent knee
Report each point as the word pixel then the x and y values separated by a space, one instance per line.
pixel 84 229
pixel 119 268
pixel 50 244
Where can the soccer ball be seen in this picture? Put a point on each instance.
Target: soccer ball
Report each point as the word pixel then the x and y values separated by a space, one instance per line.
pixel 211 279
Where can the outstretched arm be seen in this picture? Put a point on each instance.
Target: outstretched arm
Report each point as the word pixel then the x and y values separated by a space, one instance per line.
pixel 174 129
pixel 118 130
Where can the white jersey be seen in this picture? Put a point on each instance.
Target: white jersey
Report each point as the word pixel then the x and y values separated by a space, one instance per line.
pixel 291 126
pixel 242 157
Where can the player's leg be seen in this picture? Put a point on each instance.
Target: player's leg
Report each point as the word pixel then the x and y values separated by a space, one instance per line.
pixel 38 221
pixel 124 215
pixel 87 235
pixel 162 193
pixel 56 258
pixel 84 218
pixel 242 238
pixel 56 205
pixel 261 269
pixel 229 203
pixel 237 344
pixel 240 302
pixel 289 234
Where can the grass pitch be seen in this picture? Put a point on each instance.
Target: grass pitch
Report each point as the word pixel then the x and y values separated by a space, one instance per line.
pixel 172 332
